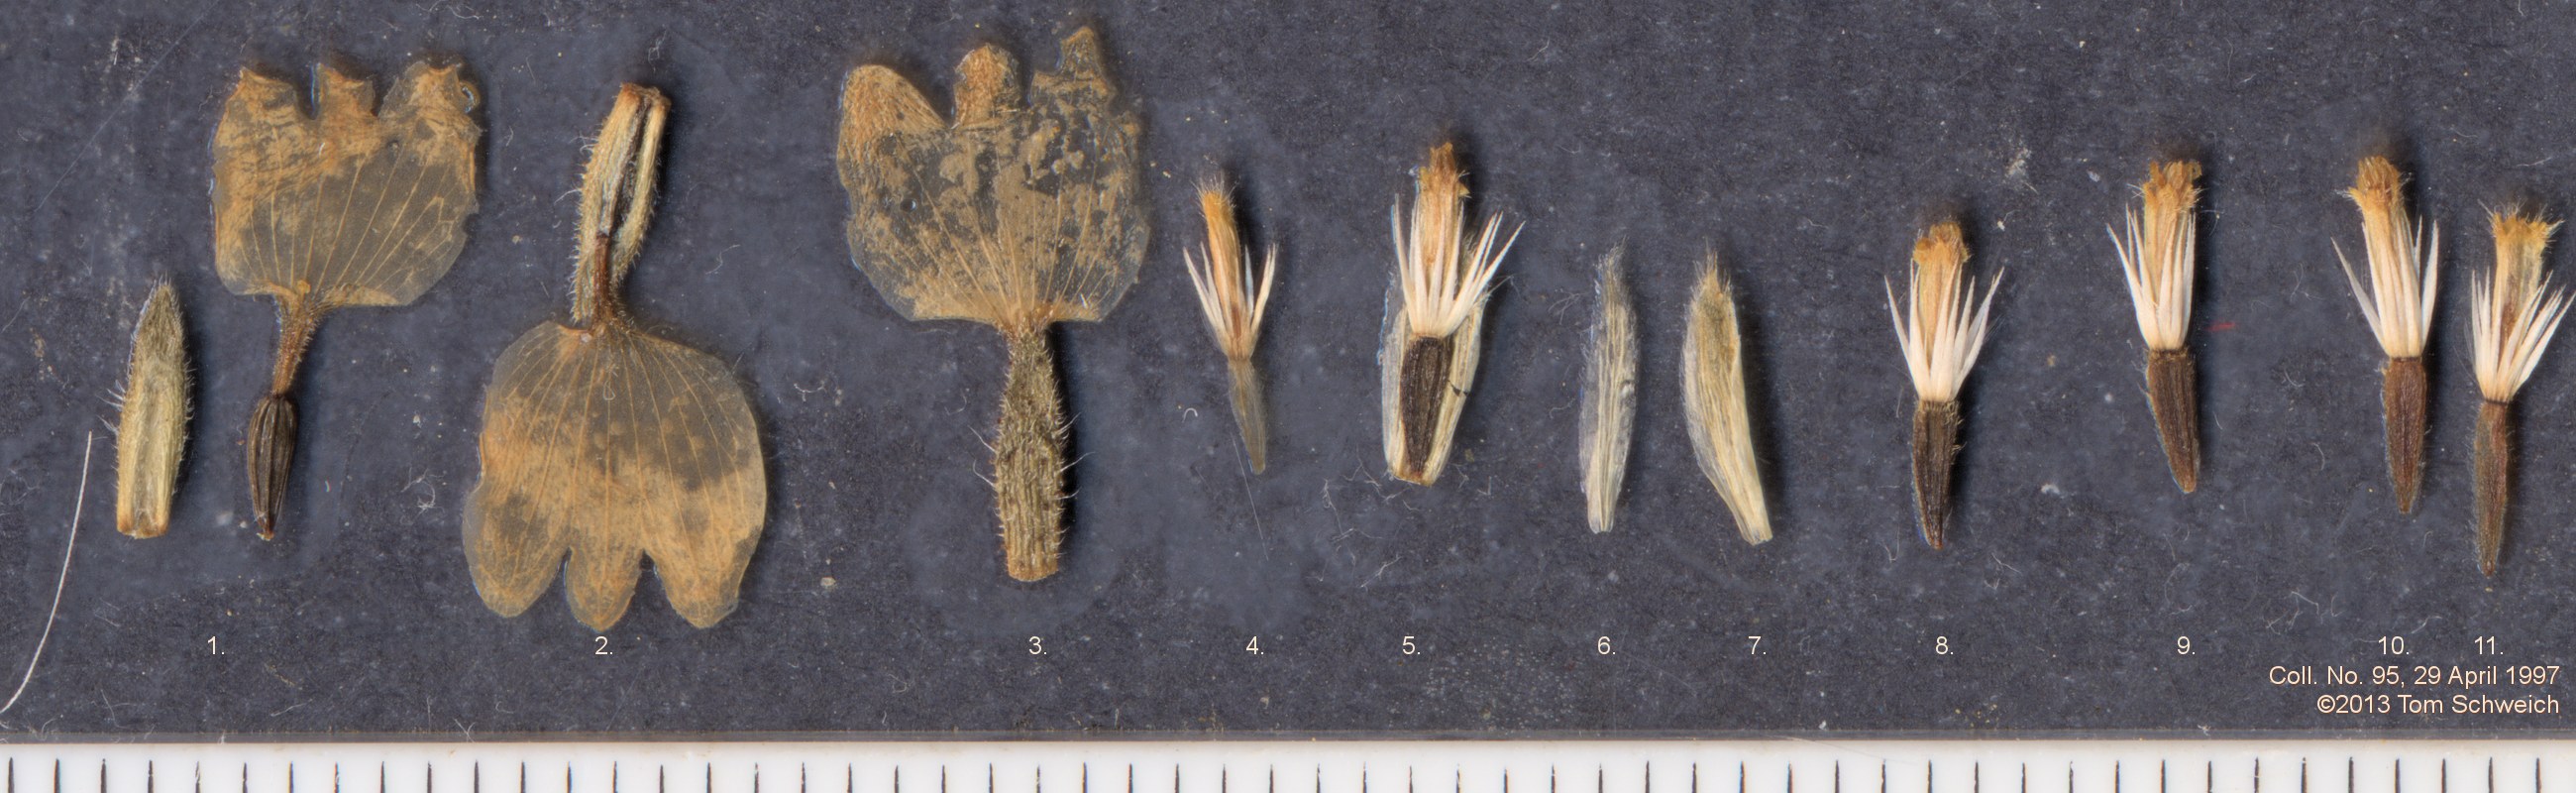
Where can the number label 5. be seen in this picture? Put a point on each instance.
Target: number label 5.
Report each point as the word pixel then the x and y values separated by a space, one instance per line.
pixel 1409 649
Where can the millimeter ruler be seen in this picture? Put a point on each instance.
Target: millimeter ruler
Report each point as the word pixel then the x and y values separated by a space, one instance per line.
pixel 1320 766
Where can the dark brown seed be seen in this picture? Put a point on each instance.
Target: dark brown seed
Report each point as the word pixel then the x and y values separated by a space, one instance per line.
pixel 1936 449
pixel 1028 459
pixel 1424 378
pixel 2494 479
pixel 270 448
pixel 2402 397
pixel 2173 393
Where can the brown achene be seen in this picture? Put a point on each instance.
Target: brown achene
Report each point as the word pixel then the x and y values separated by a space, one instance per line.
pixel 603 444
pixel 1021 212
pixel 350 205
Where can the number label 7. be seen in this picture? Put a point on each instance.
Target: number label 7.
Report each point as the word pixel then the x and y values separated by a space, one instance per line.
pixel 1754 646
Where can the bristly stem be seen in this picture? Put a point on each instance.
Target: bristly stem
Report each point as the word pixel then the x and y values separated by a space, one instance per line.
pixel 268 445
pixel 1936 451
pixel 2494 480
pixel 2173 396
pixel 1028 458
pixel 2404 397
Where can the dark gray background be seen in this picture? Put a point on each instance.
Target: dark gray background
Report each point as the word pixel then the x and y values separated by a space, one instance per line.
pixel 1805 142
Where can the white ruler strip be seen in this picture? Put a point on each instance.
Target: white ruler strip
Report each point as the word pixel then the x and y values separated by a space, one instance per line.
pixel 1325 766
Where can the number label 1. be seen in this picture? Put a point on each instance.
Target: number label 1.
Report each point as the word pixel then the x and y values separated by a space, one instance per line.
pixel 210 647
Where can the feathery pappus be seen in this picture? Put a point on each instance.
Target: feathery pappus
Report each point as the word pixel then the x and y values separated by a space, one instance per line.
pixel 1434 321
pixel 1942 328
pixel 2398 304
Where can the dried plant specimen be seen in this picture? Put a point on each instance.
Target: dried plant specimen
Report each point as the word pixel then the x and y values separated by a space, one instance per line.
pixel 603 444
pixel 1432 328
pixel 352 205
pixel 2399 307
pixel 2515 313
pixel 1719 406
pixel 1942 328
pixel 1017 214
pixel 152 422
pixel 1235 297
pixel 2156 258
pixel 1609 396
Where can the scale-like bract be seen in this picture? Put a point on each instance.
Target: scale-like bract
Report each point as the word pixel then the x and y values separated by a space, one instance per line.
pixel 604 444
pixel 351 205
pixel 152 425
pixel 1020 212
pixel 1609 397
pixel 1720 407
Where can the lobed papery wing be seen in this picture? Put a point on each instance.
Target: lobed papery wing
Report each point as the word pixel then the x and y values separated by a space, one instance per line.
pixel 1018 213
pixel 600 448
pixel 352 204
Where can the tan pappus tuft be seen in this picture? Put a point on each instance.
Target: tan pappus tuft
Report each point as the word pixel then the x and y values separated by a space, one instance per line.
pixel 2515 312
pixel 2156 260
pixel 1942 328
pixel 1609 396
pixel 2398 305
pixel 1428 363
pixel 1234 298
pixel 1720 407
pixel 152 424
